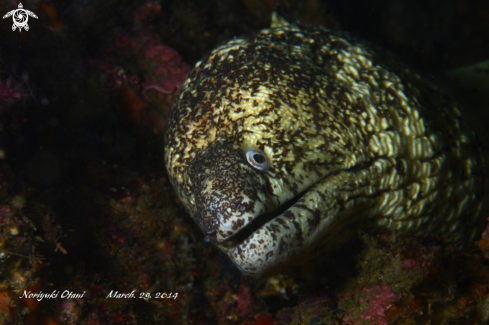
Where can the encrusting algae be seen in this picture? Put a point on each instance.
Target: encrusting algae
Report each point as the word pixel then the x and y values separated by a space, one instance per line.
pixel 283 143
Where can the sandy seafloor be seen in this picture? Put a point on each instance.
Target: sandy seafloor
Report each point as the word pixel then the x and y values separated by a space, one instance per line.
pixel 86 208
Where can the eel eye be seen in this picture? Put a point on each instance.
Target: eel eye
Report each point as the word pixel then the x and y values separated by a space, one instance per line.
pixel 257 159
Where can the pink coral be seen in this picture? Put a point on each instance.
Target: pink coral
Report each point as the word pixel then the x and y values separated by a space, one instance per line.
pixel 244 300
pixel 9 93
pixel 11 89
pixel 410 263
pixel 5 212
pixel 157 66
pixel 484 242
pixel 161 66
pixel 139 60
pixel 381 299
pixel 144 73
pixel 485 233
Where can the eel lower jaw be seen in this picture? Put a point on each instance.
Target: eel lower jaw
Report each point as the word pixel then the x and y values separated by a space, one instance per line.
pixel 256 224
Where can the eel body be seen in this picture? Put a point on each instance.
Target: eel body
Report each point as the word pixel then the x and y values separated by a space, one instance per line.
pixel 282 143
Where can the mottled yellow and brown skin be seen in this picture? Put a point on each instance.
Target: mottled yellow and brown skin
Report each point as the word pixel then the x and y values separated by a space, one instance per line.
pixel 353 139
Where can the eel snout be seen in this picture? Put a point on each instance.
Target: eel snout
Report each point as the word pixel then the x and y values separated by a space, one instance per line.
pixel 229 194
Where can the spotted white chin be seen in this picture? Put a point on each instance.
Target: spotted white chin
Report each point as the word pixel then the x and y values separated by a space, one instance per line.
pixel 267 246
pixel 275 238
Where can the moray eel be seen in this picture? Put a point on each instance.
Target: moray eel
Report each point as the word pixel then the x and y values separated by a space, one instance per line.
pixel 283 143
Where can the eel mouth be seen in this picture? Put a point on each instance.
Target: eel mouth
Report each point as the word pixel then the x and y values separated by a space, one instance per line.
pixel 258 223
